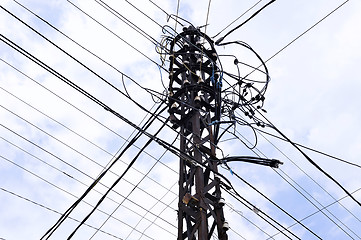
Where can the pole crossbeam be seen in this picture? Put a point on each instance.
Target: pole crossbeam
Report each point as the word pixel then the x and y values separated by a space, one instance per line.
pixel 194 103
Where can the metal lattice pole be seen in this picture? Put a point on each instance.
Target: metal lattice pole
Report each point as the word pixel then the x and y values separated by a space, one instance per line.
pixel 195 109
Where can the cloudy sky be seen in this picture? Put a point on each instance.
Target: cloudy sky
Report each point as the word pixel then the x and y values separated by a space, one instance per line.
pixel 55 141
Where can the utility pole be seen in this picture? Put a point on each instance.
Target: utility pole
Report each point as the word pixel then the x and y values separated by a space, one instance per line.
pixel 195 109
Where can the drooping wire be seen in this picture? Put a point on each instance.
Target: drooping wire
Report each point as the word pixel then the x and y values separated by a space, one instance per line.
pixel 253 15
pixel 249 9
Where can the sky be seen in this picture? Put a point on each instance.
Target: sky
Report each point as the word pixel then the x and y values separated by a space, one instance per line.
pixel 55 141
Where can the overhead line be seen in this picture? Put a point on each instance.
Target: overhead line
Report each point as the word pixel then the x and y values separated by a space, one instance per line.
pixel 309 148
pixel 52 210
pixel 272 202
pixel 325 207
pixel 116 35
pixel 84 184
pixel 59 188
pixel 310 177
pixel 135 187
pixel 78 109
pixel 302 189
pixel 249 9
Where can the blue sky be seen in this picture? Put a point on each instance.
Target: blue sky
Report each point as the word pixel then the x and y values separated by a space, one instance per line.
pixel 313 97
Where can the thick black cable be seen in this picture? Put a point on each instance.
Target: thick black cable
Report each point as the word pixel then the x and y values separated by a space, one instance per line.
pixel 310 177
pixel 136 185
pixel 275 204
pixel 309 159
pixel 325 207
pixel 309 148
pixel 81 111
pixel 99 147
pixel 84 184
pixel 249 9
pixel 312 196
pixel 81 90
pixel 266 217
pixel 253 15
pixel 65 52
pixel 71 208
pixel 116 182
pixel 84 48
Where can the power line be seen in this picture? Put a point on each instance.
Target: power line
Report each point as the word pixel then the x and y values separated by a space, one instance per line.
pixel 253 15
pixel 309 148
pixel 249 9
pixel 116 35
pixel 84 184
pixel 325 207
pixel 135 186
pixel 306 192
pixel 115 183
pixel 78 109
pixel 52 210
pixel 310 177
pixel 310 160
pixel 59 188
pixel 314 25
pixel 276 205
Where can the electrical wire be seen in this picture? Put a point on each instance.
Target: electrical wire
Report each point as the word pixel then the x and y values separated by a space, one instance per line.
pixel 84 184
pixel 52 210
pixel 309 148
pixel 78 109
pixel 59 188
pixel 135 186
pixel 310 160
pixel 310 177
pixel 325 207
pixel 84 48
pixel 115 34
pixel 253 15
pixel 249 9
pixel 272 202
pixel 116 182
pixel 316 201
pixel 70 209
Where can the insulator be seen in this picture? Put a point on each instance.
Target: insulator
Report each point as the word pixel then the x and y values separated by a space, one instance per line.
pixel 186 62
pixel 197 99
pixel 214 56
pixel 225 226
pixel 174 106
pixel 221 202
